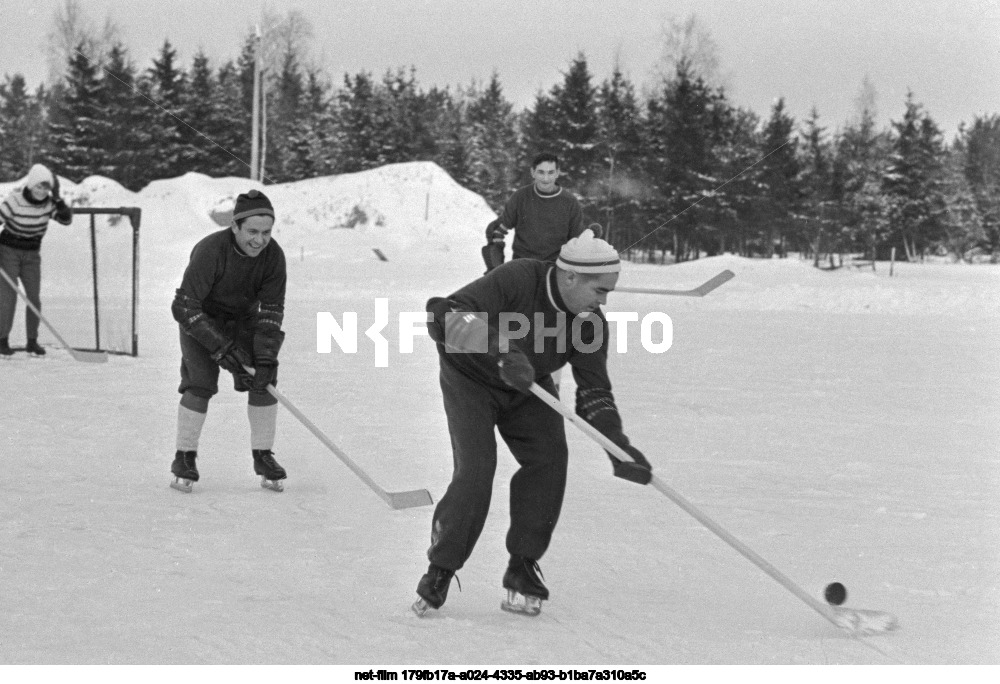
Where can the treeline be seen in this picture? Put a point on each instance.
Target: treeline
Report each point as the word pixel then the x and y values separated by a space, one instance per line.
pixel 680 170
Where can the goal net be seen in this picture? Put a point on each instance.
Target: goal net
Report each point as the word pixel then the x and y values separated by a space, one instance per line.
pixel 90 279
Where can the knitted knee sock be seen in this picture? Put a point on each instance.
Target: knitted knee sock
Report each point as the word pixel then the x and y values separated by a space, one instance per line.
pixel 263 421
pixel 189 424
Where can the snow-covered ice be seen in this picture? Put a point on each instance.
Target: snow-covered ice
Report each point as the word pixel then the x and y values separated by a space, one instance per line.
pixel 842 424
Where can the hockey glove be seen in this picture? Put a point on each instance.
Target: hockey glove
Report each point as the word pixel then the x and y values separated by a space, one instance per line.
pixel 496 232
pixel 232 358
pixel 265 353
pixel 516 370
pixel 640 472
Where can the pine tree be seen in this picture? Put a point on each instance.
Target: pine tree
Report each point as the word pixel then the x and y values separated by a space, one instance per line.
pixel 735 196
pixel 310 141
pixel 493 143
pixel 684 128
pixel 777 174
pixel 962 223
pixel 912 181
pixel 360 124
pixel 77 124
pixel 165 117
pixel 575 128
pixel 230 129
pixel 817 186
pixel 197 111
pixel 620 149
pixel 126 143
pixel 981 146
pixel 859 162
pixel 21 127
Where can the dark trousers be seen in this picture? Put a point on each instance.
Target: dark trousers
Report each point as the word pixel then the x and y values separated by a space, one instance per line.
pixel 26 266
pixel 536 437
pixel 200 374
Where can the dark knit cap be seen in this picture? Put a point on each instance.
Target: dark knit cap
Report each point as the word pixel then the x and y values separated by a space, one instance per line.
pixel 252 203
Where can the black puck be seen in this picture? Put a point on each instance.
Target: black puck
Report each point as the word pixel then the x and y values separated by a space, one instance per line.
pixel 835 593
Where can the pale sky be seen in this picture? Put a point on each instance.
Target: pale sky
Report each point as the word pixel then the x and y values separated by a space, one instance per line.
pixel 814 53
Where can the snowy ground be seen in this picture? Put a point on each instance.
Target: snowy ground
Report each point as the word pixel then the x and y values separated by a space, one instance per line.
pixel 842 424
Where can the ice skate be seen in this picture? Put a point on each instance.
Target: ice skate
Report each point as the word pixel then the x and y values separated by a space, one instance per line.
pixel 32 347
pixel 271 474
pixel 185 471
pixel 525 590
pixel 432 589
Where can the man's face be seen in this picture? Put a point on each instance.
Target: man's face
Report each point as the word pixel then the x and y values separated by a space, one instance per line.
pixel 40 190
pixel 253 236
pixel 585 292
pixel 545 174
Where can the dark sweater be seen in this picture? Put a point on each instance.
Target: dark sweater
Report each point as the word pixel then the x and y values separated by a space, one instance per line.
pixel 527 287
pixel 542 223
pixel 225 284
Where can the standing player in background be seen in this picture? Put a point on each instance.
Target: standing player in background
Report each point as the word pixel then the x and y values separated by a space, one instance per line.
pixel 25 215
pixel 230 307
pixel 544 216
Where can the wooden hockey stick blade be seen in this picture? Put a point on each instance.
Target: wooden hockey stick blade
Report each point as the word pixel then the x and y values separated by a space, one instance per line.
pixel 855 622
pixel 88 356
pixel 699 291
pixel 395 500
pixel 77 354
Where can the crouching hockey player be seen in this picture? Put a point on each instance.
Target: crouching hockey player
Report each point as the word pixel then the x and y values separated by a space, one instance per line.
pixel 495 337
pixel 230 306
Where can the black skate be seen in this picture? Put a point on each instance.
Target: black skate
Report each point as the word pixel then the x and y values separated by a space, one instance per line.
pixel 433 589
pixel 271 474
pixel 525 590
pixel 32 347
pixel 184 470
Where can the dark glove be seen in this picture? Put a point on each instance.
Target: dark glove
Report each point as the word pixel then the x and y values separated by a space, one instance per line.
pixel 640 471
pixel 496 231
pixel 265 358
pixel 263 376
pixel 232 358
pixel 516 370
pixel 55 188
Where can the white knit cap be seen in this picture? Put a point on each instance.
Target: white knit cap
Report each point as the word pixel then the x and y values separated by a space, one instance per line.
pixel 587 254
pixel 38 174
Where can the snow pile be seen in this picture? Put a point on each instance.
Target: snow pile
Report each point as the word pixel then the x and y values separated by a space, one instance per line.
pixel 411 210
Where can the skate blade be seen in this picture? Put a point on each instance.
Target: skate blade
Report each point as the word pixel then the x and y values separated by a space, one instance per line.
pixel 420 607
pixel 182 485
pixel 273 485
pixel 521 604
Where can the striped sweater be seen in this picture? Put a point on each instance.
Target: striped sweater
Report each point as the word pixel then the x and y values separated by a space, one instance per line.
pixel 25 219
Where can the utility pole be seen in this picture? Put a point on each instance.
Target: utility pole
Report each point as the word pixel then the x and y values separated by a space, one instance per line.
pixel 255 112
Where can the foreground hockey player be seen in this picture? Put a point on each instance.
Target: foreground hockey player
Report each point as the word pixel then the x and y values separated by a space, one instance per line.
pixel 230 306
pixel 533 317
pixel 543 216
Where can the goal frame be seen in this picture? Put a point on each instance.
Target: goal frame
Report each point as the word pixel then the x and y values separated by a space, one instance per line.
pixel 134 215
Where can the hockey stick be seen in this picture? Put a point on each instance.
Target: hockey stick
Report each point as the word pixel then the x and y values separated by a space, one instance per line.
pixel 79 355
pixel 856 622
pixel 699 291
pixel 396 500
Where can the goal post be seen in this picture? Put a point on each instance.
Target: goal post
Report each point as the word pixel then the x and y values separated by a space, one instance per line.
pixel 91 279
pixel 134 215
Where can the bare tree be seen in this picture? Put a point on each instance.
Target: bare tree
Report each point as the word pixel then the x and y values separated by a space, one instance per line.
pixel 73 30
pixel 865 102
pixel 688 40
